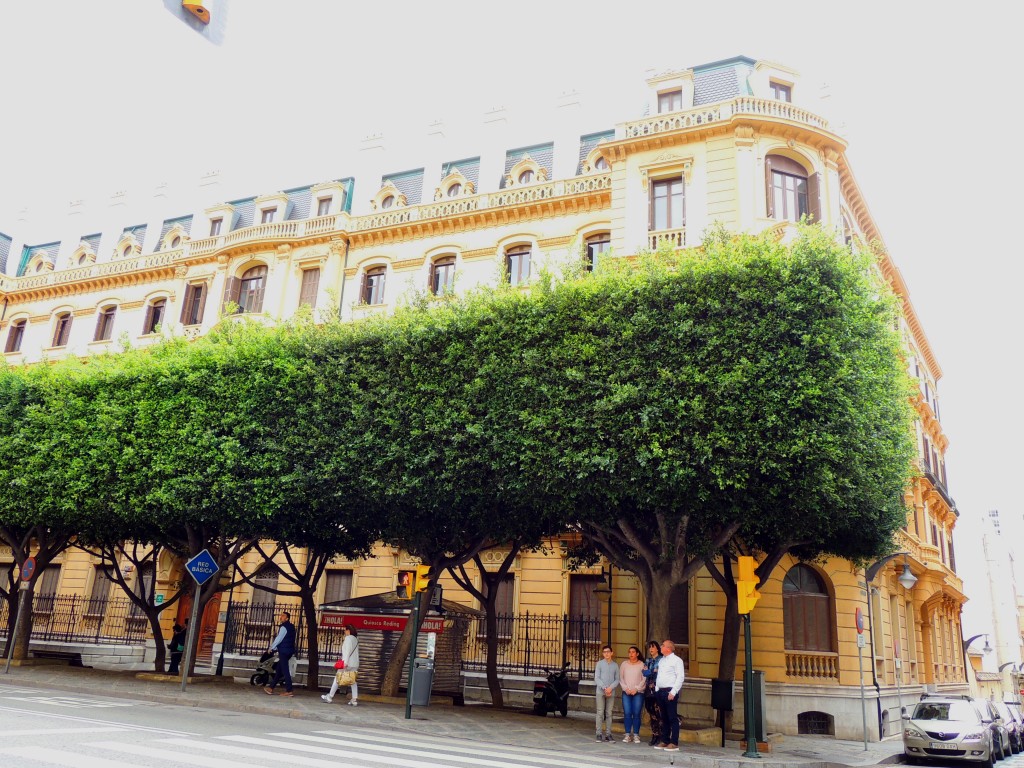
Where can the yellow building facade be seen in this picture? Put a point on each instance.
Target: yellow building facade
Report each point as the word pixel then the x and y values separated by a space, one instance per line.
pixel 723 143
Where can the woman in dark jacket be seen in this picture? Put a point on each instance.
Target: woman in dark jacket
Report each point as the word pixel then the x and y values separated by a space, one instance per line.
pixel 650 699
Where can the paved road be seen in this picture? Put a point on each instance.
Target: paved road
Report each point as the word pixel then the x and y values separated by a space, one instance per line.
pixel 43 728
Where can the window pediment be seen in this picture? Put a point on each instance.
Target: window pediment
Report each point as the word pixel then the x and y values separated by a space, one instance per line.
pixel 526 171
pixel 455 184
pixel 388 197
pixel 176 237
pixel 40 261
pixel 665 165
pixel 83 255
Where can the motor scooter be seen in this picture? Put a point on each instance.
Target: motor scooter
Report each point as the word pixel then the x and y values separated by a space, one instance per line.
pixel 552 694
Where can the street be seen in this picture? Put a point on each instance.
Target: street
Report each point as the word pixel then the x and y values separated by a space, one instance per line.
pixel 44 728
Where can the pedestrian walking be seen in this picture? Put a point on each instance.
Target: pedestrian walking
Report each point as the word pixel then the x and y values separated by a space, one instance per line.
pixel 349 673
pixel 606 680
pixel 284 644
pixel 177 647
pixel 651 690
pixel 631 677
pixel 671 673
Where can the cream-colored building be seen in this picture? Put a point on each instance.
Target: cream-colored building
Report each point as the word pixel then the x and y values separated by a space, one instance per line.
pixel 730 142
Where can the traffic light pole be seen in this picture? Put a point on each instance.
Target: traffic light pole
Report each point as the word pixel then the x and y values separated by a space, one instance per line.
pixel 748 692
pixel 412 652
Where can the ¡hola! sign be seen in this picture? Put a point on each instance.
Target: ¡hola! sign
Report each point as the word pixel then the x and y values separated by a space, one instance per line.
pixel 378 622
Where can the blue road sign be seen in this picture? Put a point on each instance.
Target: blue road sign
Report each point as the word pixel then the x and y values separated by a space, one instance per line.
pixel 202 567
pixel 28 570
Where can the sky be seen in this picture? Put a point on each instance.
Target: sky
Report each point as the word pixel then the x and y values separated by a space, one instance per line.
pixel 123 95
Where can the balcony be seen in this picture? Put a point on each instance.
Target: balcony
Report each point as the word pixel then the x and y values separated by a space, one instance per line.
pixel 720 113
pixel 815 665
pixel 675 238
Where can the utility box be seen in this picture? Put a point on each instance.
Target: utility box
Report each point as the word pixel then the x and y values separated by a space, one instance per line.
pixel 422 681
pixel 760 703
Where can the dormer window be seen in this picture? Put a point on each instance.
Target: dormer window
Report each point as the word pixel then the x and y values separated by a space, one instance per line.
pixel 454 190
pixel 323 206
pixel 601 164
pixel 670 101
pixel 781 91
pixel 126 251
pixel 526 177
pixel 215 225
pixel 387 202
pixel 267 215
pixel 175 241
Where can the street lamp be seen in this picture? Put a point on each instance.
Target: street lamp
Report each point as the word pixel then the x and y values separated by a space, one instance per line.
pixel 606 589
pixel 907 580
pixel 967 643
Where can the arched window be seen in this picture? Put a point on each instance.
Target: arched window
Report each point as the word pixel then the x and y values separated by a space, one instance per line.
pixel 791 192
pixel 105 324
pixel 600 164
pixel 455 190
pixel 526 177
pixel 373 285
pixel 387 202
pixel 250 289
pixel 154 316
pixel 596 245
pixel 517 263
pixel 442 276
pixel 15 335
pixel 807 611
pixel 62 329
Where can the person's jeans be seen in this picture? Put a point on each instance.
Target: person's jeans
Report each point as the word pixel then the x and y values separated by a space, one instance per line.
pixel 603 707
pixel 283 671
pixel 632 707
pixel 175 661
pixel 669 716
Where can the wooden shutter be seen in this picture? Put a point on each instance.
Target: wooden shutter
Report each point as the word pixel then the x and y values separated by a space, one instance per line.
pixel 147 325
pixel 768 187
pixel 199 302
pixel 63 331
pixel 310 284
pixel 14 337
pixel 814 197
pixel 363 298
pixel 186 305
pixel 230 293
pixel 257 295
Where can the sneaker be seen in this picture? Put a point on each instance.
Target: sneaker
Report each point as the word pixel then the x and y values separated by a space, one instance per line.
pixel 268 690
pixel 354 703
pixel 608 737
pixel 289 694
pixel 671 748
pixel 660 745
pixel 627 738
pixel 327 698
pixel 654 740
pixel 636 738
pixel 599 737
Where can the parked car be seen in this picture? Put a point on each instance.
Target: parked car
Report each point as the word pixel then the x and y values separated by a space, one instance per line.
pixel 949 728
pixel 1001 743
pixel 1013 726
pixel 1013 711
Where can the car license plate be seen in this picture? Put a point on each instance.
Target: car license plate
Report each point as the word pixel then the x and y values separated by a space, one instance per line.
pixel 944 745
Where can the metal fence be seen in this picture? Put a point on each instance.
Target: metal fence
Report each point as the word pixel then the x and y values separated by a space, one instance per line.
pixel 530 643
pixel 249 629
pixel 72 618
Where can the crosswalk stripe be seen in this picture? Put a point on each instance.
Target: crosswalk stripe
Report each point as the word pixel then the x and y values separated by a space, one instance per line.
pixel 54 731
pixel 70 759
pixel 357 751
pixel 450 745
pixel 445 742
pixel 238 751
pixel 79 719
pixel 161 754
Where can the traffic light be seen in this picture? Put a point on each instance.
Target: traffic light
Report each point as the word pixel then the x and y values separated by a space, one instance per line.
pixel 746 585
pixel 422 578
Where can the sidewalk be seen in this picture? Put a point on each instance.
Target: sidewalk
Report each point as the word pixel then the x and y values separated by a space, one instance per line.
pixel 473 721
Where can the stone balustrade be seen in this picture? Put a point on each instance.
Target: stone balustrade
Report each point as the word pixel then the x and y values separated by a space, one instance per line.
pixel 674 237
pixel 717 113
pixel 816 665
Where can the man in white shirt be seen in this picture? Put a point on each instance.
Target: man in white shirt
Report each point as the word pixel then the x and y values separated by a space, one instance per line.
pixel 671 673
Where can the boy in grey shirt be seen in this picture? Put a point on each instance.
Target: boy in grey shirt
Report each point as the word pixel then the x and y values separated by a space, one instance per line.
pixel 606 680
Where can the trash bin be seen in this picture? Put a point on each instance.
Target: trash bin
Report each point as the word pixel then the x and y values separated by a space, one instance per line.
pixel 422 681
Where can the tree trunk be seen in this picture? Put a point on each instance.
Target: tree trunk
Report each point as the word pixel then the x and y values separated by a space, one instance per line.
pixel 312 639
pixel 659 605
pixel 21 642
pixel 727 657
pixel 491 624
pixel 399 657
pixel 158 637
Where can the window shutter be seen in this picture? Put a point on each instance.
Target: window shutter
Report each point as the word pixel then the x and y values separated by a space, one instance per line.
pixel 147 325
pixel 65 331
pixel 650 206
pixel 230 293
pixel 682 202
pixel 186 305
pixel 814 197
pixel 310 284
pixel 199 301
pixel 98 333
pixel 257 296
pixel 13 338
pixel 768 187
pixel 363 298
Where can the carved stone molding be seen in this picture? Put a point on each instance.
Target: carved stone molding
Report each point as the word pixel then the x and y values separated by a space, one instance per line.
pixel 667 164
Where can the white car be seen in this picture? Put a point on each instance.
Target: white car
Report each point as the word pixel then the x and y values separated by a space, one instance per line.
pixel 949 728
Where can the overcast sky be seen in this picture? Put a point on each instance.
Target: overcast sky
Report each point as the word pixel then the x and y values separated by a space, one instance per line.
pixel 99 97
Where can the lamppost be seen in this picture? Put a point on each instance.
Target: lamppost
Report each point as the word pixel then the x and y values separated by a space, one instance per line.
pixel 907 580
pixel 606 589
pixel 986 650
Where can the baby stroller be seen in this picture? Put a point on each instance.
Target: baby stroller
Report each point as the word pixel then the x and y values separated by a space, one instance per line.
pixel 265 669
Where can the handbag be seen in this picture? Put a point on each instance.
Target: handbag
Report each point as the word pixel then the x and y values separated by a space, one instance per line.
pixel 345 677
pixel 339 664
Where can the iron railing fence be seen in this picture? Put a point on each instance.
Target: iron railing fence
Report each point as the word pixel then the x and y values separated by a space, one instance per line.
pixel 73 618
pixel 531 643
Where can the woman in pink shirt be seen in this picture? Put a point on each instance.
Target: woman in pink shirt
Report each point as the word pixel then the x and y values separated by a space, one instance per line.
pixel 631 677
